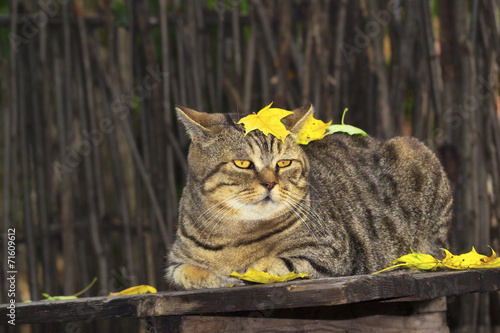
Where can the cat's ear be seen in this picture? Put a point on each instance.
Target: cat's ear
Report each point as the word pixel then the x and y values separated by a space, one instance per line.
pixel 297 120
pixel 198 124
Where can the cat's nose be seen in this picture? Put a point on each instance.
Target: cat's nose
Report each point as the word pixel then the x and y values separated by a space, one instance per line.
pixel 268 185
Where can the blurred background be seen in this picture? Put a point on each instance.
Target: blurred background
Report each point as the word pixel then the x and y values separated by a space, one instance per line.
pixel 93 159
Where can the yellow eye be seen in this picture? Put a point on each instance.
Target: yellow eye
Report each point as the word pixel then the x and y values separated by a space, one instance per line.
pixel 284 163
pixel 243 164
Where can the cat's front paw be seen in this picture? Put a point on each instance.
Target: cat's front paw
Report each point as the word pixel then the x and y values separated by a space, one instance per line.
pixel 188 276
pixel 271 265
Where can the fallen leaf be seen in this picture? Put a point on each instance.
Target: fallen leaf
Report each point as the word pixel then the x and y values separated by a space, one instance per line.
pixel 351 130
pixel 267 120
pixel 61 298
pixel 256 276
pixel 415 261
pixel 142 289
pixel 471 259
pixel 57 298
pixel 314 129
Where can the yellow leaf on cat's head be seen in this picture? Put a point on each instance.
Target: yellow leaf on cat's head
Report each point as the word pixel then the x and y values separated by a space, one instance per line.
pixel 267 120
pixel 256 276
pixel 314 129
pixel 142 289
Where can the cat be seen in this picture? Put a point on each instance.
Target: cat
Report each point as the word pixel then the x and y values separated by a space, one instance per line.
pixel 342 205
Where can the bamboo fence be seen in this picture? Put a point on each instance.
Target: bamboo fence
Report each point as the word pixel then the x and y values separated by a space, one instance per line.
pixel 93 160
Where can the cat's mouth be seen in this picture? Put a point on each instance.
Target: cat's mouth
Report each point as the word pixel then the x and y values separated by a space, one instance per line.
pixel 266 200
pixel 269 206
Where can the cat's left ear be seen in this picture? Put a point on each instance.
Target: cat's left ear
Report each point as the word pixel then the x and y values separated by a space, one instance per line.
pixel 298 119
pixel 198 124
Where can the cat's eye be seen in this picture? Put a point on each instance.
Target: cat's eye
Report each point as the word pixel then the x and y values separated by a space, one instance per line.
pixel 243 164
pixel 283 163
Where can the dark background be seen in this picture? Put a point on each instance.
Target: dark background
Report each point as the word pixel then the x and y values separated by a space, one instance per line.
pixel 93 159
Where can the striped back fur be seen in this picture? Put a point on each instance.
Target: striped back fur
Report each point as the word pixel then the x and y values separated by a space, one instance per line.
pixel 342 205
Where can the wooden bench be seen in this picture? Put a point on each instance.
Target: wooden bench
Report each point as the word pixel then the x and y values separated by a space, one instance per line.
pixel 390 302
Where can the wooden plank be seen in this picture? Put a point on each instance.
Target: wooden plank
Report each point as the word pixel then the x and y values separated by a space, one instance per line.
pixel 423 323
pixel 309 293
pixel 423 316
pixel 333 291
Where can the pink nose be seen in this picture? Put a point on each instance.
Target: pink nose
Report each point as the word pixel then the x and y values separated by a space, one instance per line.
pixel 269 185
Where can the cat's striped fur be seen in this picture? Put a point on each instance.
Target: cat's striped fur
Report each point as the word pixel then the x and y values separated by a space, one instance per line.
pixel 345 205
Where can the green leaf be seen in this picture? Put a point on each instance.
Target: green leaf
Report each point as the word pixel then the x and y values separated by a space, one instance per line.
pixel 415 261
pixel 343 128
pixel 351 130
pixel 75 296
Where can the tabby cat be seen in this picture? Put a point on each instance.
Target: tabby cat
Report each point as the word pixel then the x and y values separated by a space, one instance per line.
pixel 342 205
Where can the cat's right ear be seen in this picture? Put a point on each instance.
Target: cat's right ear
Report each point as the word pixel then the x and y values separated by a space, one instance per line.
pixel 298 119
pixel 196 123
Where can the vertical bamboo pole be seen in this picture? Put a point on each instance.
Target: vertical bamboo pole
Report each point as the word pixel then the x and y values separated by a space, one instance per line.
pixel 235 24
pixel 306 67
pixel 220 60
pixel 64 107
pixel 432 64
pixel 116 162
pixel 377 66
pixel 9 117
pixel 181 68
pixel 283 58
pixel 171 196
pixel 90 101
pixel 66 215
pixel 250 62
pixel 195 54
pixel 37 166
pixel 337 55
pixel 43 196
pixel 90 190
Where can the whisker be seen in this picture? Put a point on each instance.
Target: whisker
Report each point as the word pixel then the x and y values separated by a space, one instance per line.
pixel 314 188
pixel 230 210
pixel 209 215
pixel 320 224
pixel 294 210
pixel 299 206
pixel 214 215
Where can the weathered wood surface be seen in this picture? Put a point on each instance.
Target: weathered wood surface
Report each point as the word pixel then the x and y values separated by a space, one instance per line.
pixel 296 294
pixel 420 316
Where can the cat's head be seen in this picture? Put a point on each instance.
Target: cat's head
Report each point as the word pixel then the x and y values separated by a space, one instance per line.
pixel 250 177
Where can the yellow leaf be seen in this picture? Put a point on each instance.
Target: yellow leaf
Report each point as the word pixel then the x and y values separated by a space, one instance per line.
pixel 267 120
pixel 471 259
pixel 61 298
pixel 415 261
pixel 254 275
pixel 57 298
pixel 314 129
pixel 142 289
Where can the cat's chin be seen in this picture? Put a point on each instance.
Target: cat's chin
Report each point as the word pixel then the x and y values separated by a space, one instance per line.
pixel 264 210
